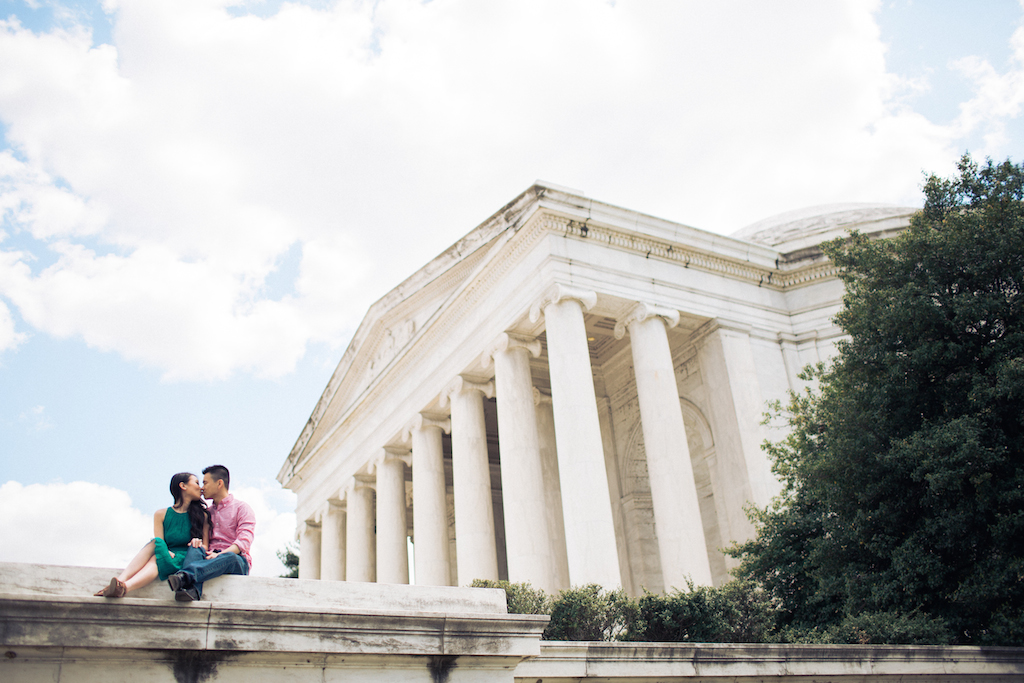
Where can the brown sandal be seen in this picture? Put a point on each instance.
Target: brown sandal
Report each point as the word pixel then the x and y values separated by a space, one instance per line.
pixel 116 589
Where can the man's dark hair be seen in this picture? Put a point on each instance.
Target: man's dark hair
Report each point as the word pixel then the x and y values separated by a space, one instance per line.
pixel 219 472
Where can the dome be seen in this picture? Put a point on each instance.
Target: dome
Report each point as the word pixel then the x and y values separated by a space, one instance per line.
pixel 808 227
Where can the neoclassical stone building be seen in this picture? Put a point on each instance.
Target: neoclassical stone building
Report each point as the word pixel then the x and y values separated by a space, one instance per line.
pixel 572 393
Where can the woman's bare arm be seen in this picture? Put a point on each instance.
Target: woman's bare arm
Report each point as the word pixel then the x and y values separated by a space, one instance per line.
pixel 158 523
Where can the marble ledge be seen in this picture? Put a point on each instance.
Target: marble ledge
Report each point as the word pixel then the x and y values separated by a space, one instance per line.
pixel 44 579
pixel 565 661
pixel 50 606
pixel 139 623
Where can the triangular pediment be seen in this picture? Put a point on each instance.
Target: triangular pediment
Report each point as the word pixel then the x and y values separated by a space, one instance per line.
pixel 394 321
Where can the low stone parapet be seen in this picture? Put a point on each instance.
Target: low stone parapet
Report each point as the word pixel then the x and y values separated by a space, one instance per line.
pixel 255 629
pixel 251 630
pixel 561 662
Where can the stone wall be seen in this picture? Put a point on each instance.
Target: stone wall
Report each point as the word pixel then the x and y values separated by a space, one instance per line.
pixel 254 629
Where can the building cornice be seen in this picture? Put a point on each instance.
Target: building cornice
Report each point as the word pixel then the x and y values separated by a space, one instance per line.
pixel 776 277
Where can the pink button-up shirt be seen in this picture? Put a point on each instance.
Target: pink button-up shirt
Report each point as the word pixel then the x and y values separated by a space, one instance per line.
pixel 234 523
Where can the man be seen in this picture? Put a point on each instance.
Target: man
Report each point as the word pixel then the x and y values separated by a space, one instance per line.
pixel 234 526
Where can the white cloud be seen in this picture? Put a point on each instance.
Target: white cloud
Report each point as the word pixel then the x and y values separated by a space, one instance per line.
pixel 9 336
pixel 36 419
pixel 171 170
pixel 79 524
pixel 997 97
pixel 92 525
pixel 30 199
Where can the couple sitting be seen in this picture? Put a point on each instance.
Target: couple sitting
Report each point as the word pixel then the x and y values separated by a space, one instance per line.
pixel 191 543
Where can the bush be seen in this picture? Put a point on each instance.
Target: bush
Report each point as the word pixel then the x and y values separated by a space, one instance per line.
pixel 522 598
pixel 753 616
pixel 591 613
pixel 877 628
pixel 736 613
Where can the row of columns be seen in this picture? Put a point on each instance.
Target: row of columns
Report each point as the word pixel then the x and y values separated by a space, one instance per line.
pixel 559 527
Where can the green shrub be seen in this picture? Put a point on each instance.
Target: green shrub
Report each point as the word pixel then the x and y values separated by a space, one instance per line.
pixel 877 628
pixel 522 598
pixel 753 615
pixel 735 613
pixel 591 613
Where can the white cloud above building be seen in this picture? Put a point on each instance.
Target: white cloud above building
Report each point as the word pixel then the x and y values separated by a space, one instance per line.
pixel 153 186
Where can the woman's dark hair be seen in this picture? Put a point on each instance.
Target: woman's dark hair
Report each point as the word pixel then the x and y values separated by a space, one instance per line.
pixel 198 515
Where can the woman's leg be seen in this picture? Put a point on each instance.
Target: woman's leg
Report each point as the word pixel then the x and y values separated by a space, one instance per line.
pixel 138 562
pixel 144 576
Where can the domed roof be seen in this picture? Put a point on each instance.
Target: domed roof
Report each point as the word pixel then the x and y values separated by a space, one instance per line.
pixel 808 227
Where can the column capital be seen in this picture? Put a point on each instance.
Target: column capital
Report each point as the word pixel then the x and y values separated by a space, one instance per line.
pixel 400 453
pixel 318 515
pixel 423 420
pixel 559 292
pixel 360 481
pixel 463 383
pixel 540 397
pixel 641 312
pixel 507 341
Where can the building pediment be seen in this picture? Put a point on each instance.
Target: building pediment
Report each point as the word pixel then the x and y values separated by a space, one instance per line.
pixel 393 321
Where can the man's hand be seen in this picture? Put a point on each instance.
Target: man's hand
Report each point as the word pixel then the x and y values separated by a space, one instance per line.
pixel 230 549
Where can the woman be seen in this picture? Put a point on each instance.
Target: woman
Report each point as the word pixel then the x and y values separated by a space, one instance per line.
pixel 185 523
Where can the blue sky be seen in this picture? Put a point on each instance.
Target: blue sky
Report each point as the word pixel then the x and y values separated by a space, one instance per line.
pixel 200 199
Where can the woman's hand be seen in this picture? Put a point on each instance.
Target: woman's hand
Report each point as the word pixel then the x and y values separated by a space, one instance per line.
pixel 197 543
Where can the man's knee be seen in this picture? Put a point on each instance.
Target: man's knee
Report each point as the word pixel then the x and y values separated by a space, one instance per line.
pixel 193 555
pixel 231 563
pixel 241 565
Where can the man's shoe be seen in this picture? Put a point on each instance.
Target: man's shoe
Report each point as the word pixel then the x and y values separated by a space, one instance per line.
pixel 190 594
pixel 177 581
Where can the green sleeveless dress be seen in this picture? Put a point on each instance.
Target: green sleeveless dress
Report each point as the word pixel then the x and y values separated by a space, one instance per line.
pixel 177 534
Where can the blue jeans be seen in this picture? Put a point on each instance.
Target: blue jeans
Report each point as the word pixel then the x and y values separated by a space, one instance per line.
pixel 197 569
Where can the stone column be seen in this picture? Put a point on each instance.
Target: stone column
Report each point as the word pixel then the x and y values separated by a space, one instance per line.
pixel 527 545
pixel 735 408
pixel 586 502
pixel 309 551
pixel 332 542
pixel 678 524
pixel 477 556
pixel 362 549
pixel 429 506
pixel 552 488
pixel 392 543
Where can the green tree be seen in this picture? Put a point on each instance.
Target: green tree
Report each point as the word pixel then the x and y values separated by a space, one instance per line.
pixel 290 559
pixel 904 469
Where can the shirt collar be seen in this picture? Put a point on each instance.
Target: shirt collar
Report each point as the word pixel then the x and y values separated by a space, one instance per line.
pixel 226 499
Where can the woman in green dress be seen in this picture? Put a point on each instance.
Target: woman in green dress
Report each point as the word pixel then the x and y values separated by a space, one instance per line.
pixel 185 523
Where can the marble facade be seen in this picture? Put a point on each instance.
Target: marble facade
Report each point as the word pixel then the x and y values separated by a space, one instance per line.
pixel 571 394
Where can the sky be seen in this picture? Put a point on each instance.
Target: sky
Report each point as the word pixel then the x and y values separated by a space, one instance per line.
pixel 200 199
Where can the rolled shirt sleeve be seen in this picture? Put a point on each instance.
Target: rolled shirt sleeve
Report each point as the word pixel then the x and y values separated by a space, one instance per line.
pixel 245 530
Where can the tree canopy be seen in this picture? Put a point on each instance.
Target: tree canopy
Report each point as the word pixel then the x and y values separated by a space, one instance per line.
pixel 903 470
